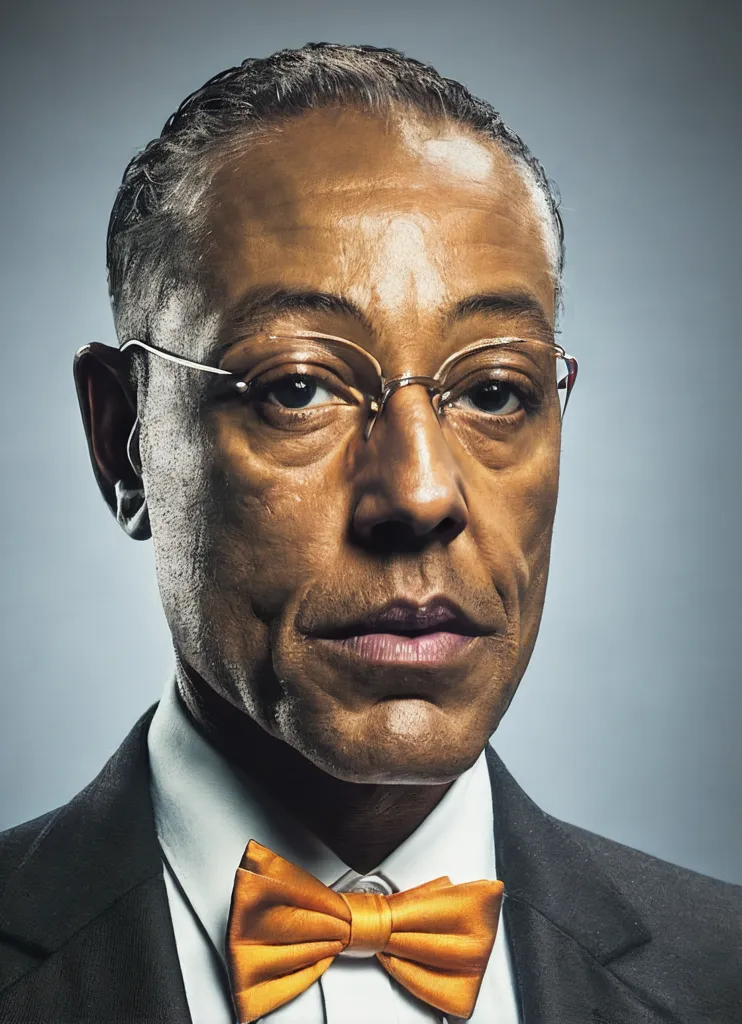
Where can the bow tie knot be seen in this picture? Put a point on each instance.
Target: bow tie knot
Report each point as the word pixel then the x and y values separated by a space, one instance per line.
pixel 370 923
pixel 286 927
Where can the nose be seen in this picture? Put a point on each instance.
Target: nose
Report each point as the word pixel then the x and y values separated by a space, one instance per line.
pixel 411 490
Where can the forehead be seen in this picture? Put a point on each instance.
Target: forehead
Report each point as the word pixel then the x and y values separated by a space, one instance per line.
pixel 401 214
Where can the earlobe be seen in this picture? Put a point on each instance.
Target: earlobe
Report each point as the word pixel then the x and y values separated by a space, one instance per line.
pixel 132 513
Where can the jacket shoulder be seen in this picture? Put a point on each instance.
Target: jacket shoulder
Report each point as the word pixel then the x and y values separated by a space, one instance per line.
pixel 20 841
pixel 657 883
pixel 113 812
pixel 695 923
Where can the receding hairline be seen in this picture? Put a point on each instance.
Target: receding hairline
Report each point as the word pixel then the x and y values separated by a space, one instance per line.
pixel 153 245
pixel 203 181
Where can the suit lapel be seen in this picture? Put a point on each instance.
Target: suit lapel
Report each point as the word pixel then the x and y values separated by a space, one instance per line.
pixel 85 927
pixel 564 919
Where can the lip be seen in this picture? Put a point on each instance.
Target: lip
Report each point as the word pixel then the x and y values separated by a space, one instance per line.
pixel 406 632
pixel 407 618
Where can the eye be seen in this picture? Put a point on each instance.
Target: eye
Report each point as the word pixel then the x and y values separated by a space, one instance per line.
pixel 492 396
pixel 294 391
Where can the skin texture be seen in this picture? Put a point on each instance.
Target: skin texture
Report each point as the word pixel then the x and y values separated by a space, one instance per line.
pixel 405 218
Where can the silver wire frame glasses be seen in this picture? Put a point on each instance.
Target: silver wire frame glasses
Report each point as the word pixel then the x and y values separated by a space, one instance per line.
pixel 480 364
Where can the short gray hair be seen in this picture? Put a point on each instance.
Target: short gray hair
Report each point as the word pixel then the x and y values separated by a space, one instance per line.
pixel 156 216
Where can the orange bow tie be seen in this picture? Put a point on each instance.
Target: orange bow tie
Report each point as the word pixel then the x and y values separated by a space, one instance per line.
pixel 286 927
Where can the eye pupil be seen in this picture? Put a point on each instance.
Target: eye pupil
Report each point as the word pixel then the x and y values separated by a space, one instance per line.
pixel 491 396
pixel 294 391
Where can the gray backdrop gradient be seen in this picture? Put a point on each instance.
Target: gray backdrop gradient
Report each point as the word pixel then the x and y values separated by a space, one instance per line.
pixel 628 721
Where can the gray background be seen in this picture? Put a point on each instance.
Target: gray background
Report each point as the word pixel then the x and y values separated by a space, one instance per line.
pixel 628 721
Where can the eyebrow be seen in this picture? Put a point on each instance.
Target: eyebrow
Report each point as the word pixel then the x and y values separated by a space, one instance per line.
pixel 260 304
pixel 517 303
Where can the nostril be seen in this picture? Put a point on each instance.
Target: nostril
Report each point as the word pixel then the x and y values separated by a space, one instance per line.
pixel 396 535
pixel 448 528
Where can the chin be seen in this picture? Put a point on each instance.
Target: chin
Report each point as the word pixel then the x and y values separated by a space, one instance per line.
pixel 398 741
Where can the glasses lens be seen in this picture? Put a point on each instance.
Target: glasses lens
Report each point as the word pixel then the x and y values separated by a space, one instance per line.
pixel 302 398
pixel 500 398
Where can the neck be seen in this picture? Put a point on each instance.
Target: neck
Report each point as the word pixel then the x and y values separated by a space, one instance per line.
pixel 361 823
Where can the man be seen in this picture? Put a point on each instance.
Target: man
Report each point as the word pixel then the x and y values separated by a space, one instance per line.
pixel 336 409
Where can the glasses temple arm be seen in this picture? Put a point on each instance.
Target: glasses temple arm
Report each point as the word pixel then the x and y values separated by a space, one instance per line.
pixel 173 358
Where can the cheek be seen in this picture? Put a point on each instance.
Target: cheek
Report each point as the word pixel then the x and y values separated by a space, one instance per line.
pixel 280 537
pixel 513 525
pixel 535 511
pixel 278 529
pixel 538 498
pixel 230 526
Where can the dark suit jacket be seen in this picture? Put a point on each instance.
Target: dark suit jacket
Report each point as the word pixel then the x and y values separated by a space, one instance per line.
pixel 600 933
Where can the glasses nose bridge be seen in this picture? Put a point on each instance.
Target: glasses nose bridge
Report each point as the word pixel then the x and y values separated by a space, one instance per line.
pixel 389 387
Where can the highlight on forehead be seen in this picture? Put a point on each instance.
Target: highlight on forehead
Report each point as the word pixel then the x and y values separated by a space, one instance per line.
pixel 468 154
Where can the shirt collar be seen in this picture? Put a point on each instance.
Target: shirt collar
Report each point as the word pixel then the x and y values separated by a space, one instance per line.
pixel 206 812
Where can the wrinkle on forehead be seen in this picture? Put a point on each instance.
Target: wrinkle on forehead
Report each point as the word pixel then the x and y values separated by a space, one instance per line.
pixel 394 213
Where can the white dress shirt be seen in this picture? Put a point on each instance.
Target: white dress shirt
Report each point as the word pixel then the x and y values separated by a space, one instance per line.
pixel 206 811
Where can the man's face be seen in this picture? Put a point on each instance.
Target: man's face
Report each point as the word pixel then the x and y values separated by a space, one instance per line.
pixel 275 552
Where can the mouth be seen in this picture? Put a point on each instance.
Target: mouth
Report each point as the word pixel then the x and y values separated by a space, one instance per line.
pixel 406 633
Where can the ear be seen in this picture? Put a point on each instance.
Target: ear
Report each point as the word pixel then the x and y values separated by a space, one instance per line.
pixel 109 415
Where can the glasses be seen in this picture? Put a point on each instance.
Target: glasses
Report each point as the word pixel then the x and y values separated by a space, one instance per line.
pixel 497 395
